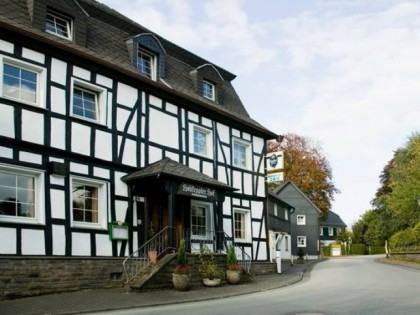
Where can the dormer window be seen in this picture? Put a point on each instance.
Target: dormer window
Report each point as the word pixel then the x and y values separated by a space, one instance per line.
pixel 146 63
pixel 208 90
pixel 58 24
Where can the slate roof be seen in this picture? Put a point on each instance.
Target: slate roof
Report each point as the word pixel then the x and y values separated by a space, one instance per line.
pixel 279 200
pixel 170 168
pixel 333 220
pixel 106 35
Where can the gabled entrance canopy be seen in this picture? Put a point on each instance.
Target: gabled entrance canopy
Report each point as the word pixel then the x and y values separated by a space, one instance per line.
pixel 167 183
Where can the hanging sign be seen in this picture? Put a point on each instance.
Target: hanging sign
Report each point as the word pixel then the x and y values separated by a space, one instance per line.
pixel 274 161
pixel 197 191
pixel 275 177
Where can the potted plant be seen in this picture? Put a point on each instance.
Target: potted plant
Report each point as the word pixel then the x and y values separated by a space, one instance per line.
pixel 181 277
pixel 301 254
pixel 234 270
pixel 209 271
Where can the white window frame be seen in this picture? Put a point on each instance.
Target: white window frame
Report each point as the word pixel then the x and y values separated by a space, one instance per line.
pixel 209 220
pixel 247 225
pixel 209 90
pixel 286 214
pixel 103 203
pixel 301 241
pixel 209 140
pixel 40 98
pixel 275 210
pixel 66 19
pixel 101 100
pixel 301 219
pixel 153 63
pixel 330 231
pixel 39 215
pixel 247 159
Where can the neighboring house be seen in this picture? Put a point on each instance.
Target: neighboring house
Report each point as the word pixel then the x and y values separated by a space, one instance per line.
pixel 279 227
pixel 304 219
pixel 105 124
pixel 331 228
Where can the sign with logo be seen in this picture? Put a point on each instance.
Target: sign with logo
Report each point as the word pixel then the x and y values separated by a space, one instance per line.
pixel 197 191
pixel 275 177
pixel 275 161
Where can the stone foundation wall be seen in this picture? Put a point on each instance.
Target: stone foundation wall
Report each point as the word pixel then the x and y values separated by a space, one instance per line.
pixel 21 277
pixel 408 256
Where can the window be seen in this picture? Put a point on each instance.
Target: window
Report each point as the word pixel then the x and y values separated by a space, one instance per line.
pixel 330 232
pixel 286 243
pixel 286 214
pixel 241 154
pixel 22 82
pixel 208 90
pixel 201 141
pixel 301 219
pixel 58 24
pixel 301 241
pixel 242 225
pixel 201 220
pixel 89 203
pixel 275 210
pixel 21 199
pixel 88 101
pixel 146 63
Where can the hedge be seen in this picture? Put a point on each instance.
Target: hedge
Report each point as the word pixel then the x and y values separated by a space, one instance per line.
pixel 357 249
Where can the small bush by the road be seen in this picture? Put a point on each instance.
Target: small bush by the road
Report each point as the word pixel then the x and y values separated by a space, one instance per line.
pixel 375 250
pixel 406 240
pixel 357 249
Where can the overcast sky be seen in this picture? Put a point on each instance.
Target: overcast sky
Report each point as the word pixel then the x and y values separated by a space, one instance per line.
pixel 345 73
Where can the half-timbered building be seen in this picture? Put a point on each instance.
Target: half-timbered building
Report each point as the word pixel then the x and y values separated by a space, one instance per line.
pixel 109 135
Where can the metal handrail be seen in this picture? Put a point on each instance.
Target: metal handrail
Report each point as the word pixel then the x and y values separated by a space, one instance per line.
pixel 241 255
pixel 138 260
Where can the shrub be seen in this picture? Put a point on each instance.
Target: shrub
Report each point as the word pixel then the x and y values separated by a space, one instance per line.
pixel 357 249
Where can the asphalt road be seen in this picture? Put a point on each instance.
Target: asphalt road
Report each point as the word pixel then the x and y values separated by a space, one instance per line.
pixel 350 285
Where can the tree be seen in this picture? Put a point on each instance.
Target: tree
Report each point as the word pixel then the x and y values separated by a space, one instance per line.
pixel 396 199
pixel 307 168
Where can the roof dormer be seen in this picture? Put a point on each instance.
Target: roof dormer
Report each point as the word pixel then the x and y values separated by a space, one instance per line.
pixel 148 56
pixel 208 83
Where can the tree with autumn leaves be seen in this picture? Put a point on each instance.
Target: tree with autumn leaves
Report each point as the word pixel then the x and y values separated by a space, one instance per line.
pixel 307 167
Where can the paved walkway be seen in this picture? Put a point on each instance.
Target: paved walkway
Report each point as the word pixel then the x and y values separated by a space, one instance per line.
pixel 114 299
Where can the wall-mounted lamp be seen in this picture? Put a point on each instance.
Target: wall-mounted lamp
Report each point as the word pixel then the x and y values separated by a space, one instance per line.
pixel 279 138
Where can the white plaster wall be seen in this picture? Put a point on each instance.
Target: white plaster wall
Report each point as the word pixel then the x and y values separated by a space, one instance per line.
pixel 261 186
pixel 122 117
pixel 33 242
pixel 126 95
pixel 221 174
pixel 208 169
pixel 173 156
pixel 129 152
pixel 58 71
pixel 103 245
pixel 6 46
pixel 57 180
pixel 32 127
pixel 58 204
pixel 223 132
pixel 59 240
pixel 80 244
pixel 58 133
pixel 155 154
pixel 226 206
pixel 58 100
pixel 104 81
pixel 9 246
pixel 80 139
pixel 246 136
pixel 258 145
pixel 6 152
pixel 121 210
pixel 30 157
pixel 193 117
pixel 227 227
pixel 153 100
pixel 248 183
pixel 172 108
pixel 103 145
pixel 262 252
pixel 33 55
pixel 257 209
pixel 194 164
pixel 120 186
pixel 81 73
pixel 237 181
pixel 163 129
pixel 79 168
pixel 101 172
